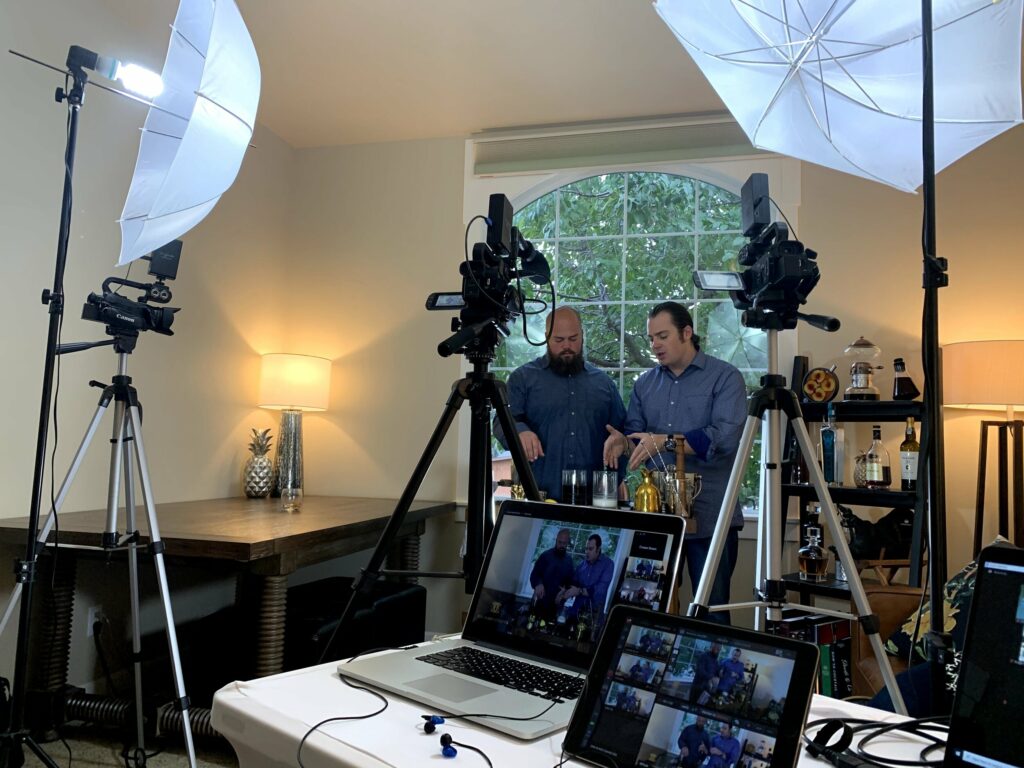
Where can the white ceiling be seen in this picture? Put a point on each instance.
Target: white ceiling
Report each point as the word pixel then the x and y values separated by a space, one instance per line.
pixel 358 71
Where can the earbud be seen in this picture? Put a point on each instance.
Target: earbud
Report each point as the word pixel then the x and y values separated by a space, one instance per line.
pixel 446 746
pixel 432 721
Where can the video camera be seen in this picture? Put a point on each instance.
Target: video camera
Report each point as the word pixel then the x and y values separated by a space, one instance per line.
pixel 125 317
pixel 780 272
pixel 489 299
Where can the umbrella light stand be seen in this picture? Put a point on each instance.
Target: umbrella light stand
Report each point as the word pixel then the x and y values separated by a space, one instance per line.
pixel 127 429
pixel 766 407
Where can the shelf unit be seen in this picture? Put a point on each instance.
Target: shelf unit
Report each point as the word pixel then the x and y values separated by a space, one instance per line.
pixel 876 412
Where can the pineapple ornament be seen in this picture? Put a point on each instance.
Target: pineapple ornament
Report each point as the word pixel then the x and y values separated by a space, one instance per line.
pixel 259 469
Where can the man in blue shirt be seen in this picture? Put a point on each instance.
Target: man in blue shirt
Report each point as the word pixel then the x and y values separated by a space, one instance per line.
pixel 704 399
pixel 730 672
pixel 694 743
pixel 705 670
pixel 553 570
pixel 591 581
pixel 725 748
pixel 561 405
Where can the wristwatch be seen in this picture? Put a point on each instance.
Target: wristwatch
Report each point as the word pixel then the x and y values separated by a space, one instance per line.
pixel 669 445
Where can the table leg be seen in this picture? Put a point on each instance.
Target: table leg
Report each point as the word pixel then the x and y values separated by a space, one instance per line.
pixel 270 634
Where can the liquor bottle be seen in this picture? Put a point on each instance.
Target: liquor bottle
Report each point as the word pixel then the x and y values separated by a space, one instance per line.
pixel 832 449
pixel 909 450
pixel 879 475
pixel 903 387
pixel 813 558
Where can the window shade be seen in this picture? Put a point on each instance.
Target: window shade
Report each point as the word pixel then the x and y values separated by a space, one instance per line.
pixel 665 140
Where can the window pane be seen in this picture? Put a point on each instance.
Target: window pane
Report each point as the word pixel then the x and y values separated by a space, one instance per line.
pixel 590 270
pixel 536 221
pixel 638 348
pixel 719 209
pixel 659 267
pixel 660 202
pixel 602 328
pixel 592 206
pixel 718 252
pixel 727 339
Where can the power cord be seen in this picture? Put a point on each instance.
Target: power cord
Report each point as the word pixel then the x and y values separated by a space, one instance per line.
pixel 838 751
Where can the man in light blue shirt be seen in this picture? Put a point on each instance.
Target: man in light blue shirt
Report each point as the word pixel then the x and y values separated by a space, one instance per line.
pixel 561 405
pixel 704 399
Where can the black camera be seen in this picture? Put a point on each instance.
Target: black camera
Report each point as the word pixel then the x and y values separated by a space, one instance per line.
pixel 124 316
pixel 489 297
pixel 780 272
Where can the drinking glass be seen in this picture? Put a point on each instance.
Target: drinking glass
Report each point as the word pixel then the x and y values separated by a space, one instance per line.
pixel 606 488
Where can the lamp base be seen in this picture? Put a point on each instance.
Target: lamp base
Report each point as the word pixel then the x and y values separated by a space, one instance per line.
pixel 289 461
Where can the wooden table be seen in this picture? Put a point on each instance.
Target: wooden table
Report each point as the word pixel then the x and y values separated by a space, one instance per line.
pixel 255 533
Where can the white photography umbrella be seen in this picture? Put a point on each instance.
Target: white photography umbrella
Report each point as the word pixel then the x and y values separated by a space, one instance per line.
pixel 198 129
pixel 838 82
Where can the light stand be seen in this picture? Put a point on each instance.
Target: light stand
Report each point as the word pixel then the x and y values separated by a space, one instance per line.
pixel 937 640
pixel 11 752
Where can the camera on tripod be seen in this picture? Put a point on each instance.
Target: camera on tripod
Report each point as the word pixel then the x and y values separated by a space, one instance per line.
pixel 125 317
pixel 780 272
pixel 489 297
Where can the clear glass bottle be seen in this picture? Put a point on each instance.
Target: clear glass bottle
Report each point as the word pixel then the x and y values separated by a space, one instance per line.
pixel 812 557
pixel 909 451
pixel 903 387
pixel 878 473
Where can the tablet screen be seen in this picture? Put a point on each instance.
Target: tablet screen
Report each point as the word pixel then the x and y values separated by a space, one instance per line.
pixel 668 691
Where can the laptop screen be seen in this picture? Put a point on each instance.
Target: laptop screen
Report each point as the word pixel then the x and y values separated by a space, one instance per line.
pixel 553 572
pixel 989 688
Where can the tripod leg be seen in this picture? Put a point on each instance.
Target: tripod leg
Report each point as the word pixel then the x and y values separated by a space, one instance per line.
pixel 868 621
pixel 508 427
pixel 117 454
pixel 699 606
pixel 58 502
pixel 157 547
pixel 131 529
pixel 479 523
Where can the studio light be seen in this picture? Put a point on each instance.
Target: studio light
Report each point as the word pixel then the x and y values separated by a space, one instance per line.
pixel 136 79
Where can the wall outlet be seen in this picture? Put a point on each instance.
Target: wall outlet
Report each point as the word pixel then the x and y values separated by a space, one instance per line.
pixel 95 614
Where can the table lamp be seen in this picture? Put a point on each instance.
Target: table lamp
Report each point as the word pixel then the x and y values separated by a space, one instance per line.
pixel 293 384
pixel 989 375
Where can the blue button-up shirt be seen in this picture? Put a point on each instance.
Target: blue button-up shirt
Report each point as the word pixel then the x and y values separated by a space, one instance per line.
pixel 595 577
pixel 567 413
pixel 706 403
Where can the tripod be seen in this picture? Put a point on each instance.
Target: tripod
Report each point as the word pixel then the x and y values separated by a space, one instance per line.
pixel 126 436
pixel 773 399
pixel 483 392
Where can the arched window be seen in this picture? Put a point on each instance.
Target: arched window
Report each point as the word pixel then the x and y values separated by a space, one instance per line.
pixel 618 243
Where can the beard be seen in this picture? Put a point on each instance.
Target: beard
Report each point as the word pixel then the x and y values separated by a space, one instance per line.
pixel 566 365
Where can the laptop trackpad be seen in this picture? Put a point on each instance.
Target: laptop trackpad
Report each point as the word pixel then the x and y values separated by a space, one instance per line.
pixel 449 687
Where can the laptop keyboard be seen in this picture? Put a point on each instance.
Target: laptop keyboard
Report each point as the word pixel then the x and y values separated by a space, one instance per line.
pixel 511 673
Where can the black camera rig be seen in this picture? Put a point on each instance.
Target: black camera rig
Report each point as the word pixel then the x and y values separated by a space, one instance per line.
pixel 491 296
pixel 780 273
pixel 125 318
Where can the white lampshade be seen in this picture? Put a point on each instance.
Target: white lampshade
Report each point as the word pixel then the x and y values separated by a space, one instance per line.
pixel 987 375
pixel 295 382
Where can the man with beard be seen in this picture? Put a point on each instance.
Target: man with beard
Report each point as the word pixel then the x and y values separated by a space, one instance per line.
pixel 552 571
pixel 562 406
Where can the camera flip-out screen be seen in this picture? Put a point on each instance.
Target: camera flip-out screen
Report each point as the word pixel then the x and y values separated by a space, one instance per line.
pixel 718 281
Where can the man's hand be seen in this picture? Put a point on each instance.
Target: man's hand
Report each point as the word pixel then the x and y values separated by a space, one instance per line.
pixel 614 446
pixel 531 445
pixel 647 447
pixel 538 591
pixel 684 751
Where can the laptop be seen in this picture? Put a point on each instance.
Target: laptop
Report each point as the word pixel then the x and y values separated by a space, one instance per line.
pixel 665 690
pixel 988 706
pixel 551 574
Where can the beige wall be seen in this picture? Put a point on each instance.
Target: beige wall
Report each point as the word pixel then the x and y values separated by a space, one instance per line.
pixel 868 237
